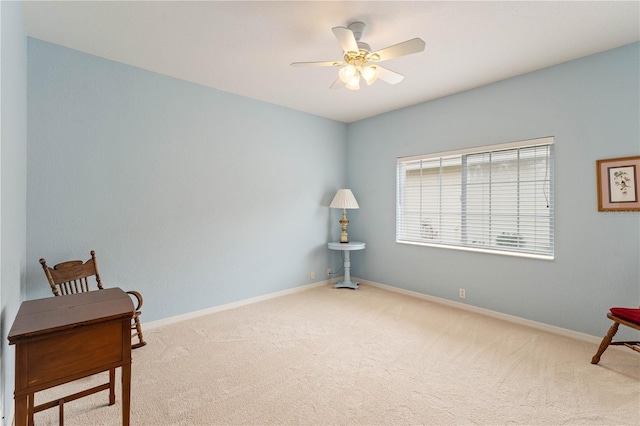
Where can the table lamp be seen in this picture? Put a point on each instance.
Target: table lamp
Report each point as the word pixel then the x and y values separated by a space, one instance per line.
pixel 344 200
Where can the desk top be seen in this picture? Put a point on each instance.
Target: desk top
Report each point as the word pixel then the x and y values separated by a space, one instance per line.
pixel 351 245
pixel 54 314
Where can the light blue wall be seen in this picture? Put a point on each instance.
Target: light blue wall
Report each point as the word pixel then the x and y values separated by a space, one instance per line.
pixel 13 177
pixel 197 197
pixel 592 108
pixel 192 196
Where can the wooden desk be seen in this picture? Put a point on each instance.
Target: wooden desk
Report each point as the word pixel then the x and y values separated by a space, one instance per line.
pixel 61 339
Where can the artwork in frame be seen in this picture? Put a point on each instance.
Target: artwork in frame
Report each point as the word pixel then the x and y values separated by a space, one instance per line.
pixel 618 182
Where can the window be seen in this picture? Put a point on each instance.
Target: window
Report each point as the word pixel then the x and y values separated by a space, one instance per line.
pixel 497 198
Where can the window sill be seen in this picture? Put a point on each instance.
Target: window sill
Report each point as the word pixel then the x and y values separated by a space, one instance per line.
pixel 482 250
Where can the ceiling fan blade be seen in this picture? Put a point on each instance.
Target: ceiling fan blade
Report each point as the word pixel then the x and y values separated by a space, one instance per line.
pixel 389 76
pixel 338 84
pixel 408 47
pixel 318 64
pixel 346 39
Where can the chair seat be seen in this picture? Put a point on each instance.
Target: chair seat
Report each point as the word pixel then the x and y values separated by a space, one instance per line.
pixel 629 314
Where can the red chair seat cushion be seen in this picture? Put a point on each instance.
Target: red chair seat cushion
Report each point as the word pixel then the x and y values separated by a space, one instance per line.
pixel 629 314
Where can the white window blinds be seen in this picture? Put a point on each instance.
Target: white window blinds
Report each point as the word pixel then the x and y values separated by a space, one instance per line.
pixel 497 198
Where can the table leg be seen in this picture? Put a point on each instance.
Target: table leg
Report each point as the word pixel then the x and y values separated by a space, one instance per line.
pixel 347 283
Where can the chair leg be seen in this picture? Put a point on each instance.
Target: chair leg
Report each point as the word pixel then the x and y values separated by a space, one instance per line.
pixel 606 341
pixel 138 333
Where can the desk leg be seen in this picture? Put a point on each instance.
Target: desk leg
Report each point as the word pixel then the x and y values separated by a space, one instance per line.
pixel 21 411
pixel 126 393
pixel 31 403
pixel 347 283
pixel 22 400
pixel 112 386
pixel 126 372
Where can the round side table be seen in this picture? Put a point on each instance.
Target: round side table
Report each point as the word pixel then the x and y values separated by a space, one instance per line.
pixel 346 248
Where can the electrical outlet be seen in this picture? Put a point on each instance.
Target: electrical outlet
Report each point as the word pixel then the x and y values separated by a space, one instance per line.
pixel 312 275
pixel 328 272
pixel 462 293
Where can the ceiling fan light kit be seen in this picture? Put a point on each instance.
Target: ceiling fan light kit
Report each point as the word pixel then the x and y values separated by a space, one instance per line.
pixel 358 58
pixel 351 73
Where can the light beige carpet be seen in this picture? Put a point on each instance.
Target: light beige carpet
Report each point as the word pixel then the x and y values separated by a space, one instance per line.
pixel 365 357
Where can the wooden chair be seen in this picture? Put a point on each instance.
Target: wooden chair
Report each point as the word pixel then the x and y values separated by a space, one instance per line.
pixel 625 316
pixel 73 277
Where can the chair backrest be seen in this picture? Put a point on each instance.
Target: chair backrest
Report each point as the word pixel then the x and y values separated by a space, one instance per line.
pixel 72 276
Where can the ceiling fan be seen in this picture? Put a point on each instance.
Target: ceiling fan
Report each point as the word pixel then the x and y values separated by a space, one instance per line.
pixel 360 61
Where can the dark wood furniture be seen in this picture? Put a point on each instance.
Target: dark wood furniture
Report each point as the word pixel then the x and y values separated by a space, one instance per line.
pixel 73 277
pixel 625 316
pixel 62 339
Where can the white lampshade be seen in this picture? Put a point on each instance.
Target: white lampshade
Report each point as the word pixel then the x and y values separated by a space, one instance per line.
pixel 370 74
pixel 347 73
pixel 344 199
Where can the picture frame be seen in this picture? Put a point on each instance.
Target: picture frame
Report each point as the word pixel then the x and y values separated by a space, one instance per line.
pixel 618 184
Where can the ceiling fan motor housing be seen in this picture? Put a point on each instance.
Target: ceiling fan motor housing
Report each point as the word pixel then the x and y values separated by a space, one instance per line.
pixel 364 46
pixel 357 28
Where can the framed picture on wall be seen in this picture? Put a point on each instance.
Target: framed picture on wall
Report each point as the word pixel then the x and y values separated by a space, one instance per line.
pixel 618 182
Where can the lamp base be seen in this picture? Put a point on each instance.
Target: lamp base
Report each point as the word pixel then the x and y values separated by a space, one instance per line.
pixel 344 238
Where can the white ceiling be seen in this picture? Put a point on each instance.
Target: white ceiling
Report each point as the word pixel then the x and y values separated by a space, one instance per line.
pixel 246 47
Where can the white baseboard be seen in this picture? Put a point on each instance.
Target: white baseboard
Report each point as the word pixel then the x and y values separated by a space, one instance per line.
pixel 506 317
pixel 195 314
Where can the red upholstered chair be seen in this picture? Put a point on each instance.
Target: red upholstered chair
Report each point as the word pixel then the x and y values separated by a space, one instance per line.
pixel 626 316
